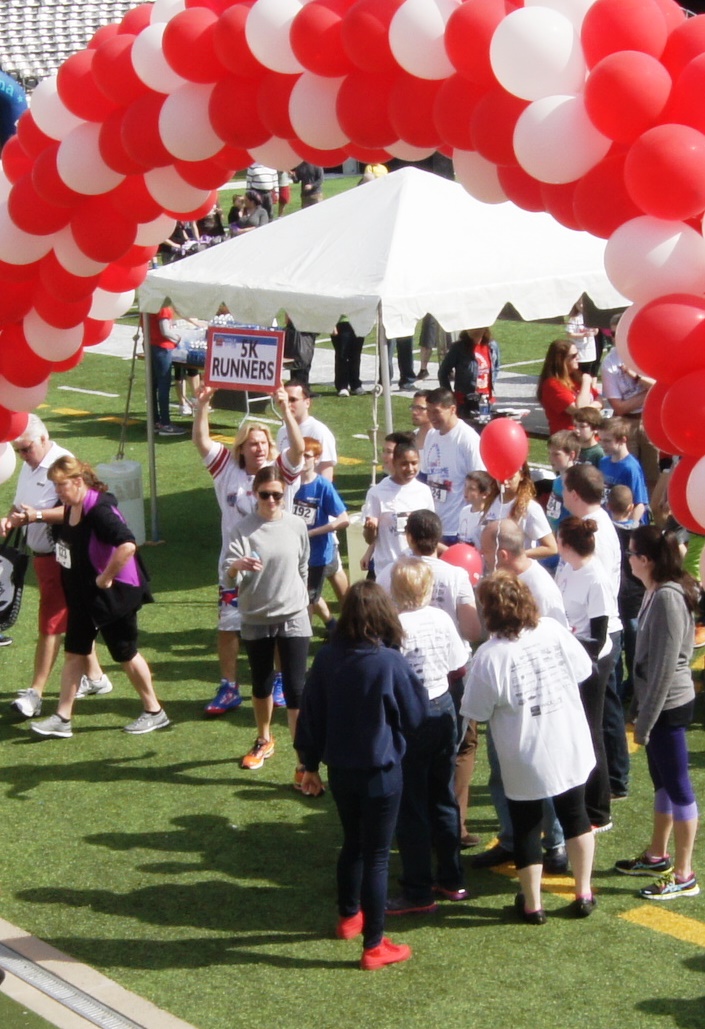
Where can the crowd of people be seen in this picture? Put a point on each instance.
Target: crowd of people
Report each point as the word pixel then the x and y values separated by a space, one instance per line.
pixel 583 605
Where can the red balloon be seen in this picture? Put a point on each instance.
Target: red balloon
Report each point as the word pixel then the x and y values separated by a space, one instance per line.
pixel 677 499
pixel 665 172
pixel 119 279
pixel 101 232
pixel 684 44
pixel 625 94
pixel 521 188
pixel 651 418
pixel 136 19
pixel 411 104
pixel 233 113
pixel 63 284
pixel 362 108
pixel 558 199
pixel 232 157
pixel 452 110
pixel 15 161
pixel 95 332
pixel 467 557
pixel 49 184
pixel 316 37
pixel 684 104
pixel 31 137
pixel 15 301
pixel 219 6
pixel 208 174
pixel 188 44
pixel 77 88
pixel 112 148
pixel 683 414
pixel 103 34
pixel 272 100
pixel 504 447
pixel 468 35
pixel 667 336
pixel 114 72
pixel 31 213
pixel 140 132
pixel 19 272
pixel 492 125
pixel 62 314
pixel 323 158
pixel 231 44
pixel 18 362
pixel 673 13
pixel 137 255
pixel 365 35
pixel 610 27
pixel 368 155
pixel 132 195
pixel 601 202
pixel 70 362
pixel 12 424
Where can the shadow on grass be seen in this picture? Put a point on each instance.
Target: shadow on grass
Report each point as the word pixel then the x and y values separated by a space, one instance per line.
pixel 686 1014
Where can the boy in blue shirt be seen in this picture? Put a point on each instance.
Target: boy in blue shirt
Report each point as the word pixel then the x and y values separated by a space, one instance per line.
pixel 620 468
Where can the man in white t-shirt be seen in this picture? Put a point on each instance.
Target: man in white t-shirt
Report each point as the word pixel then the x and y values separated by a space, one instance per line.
pixel 451 450
pixel 299 395
pixel 626 391
pixel 389 504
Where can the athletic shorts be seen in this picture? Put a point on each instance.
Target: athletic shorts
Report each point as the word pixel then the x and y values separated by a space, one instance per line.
pixel 229 617
pixel 53 614
pixel 120 636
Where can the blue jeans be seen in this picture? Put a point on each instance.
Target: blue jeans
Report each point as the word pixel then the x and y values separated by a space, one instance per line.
pixel 551 827
pixel 367 803
pixel 429 819
pixel 161 383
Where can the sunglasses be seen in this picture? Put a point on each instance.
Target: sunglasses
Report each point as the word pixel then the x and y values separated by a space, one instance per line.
pixel 266 494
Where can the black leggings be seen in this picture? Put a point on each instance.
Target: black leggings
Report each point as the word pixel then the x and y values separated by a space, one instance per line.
pixel 527 817
pixel 293 652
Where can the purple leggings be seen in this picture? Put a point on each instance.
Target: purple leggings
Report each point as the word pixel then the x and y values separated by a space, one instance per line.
pixel 667 755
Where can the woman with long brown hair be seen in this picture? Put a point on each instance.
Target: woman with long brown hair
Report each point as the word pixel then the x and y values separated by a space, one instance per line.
pixel 562 388
pixel 515 498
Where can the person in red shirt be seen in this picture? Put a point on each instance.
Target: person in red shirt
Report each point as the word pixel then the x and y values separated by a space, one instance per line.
pixel 562 388
pixel 163 340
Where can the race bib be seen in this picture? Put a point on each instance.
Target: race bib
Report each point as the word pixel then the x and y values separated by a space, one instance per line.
pixel 63 555
pixel 439 491
pixel 553 507
pixel 307 510
pixel 400 520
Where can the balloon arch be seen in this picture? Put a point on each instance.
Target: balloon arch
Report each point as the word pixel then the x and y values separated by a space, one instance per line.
pixel 588 109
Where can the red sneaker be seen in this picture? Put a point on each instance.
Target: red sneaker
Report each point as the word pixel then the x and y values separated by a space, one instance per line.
pixel 387 953
pixel 349 928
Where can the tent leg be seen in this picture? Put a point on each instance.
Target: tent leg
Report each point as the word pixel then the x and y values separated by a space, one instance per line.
pixel 154 525
pixel 382 347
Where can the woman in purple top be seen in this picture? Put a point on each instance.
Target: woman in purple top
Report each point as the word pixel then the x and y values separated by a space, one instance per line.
pixel 104 585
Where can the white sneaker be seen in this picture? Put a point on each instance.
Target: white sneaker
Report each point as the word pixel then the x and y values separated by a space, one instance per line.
pixel 53 726
pixel 343 392
pixel 186 410
pixel 27 703
pixel 87 687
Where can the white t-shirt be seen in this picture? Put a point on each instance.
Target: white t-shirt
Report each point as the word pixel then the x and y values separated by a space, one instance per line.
pixel 609 553
pixel 545 592
pixel 37 490
pixel 391 504
pixel 584 344
pixel 534 523
pixel 586 594
pixel 432 647
pixel 467 523
pixel 617 381
pixel 527 689
pixel 316 430
pixel 447 459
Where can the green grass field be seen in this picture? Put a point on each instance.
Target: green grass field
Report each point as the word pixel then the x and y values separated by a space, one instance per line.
pixel 210 890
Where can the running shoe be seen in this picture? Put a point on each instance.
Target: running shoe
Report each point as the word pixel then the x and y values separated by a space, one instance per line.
pixel 668 888
pixel 259 753
pixel 278 691
pixel 386 953
pixel 89 687
pixel 226 699
pixel 148 722
pixel 27 703
pixel 53 726
pixel 644 865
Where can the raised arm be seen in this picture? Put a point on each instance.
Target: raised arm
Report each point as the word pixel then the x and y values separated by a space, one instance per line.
pixel 295 453
pixel 200 433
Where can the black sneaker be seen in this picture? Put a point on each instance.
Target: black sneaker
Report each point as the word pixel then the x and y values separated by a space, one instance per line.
pixel 555 862
pixel 404 906
pixel 530 917
pixel 497 855
pixel 5 641
pixel 583 907
pixel 644 865
pixel 171 430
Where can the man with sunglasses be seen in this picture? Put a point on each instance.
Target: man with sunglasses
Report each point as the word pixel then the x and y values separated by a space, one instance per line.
pixel 36 491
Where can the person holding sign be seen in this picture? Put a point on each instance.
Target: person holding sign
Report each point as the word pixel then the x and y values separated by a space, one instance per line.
pixel 233 472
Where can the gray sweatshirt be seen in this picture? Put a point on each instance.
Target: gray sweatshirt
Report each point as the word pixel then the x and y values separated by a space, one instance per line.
pixel 664 647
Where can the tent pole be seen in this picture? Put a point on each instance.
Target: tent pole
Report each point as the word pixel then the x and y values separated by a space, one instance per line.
pixel 154 526
pixel 383 350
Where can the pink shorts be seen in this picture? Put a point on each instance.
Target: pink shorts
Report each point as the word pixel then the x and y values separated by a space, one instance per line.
pixel 53 615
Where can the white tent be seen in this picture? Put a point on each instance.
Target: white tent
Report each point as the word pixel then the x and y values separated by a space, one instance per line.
pixel 410 242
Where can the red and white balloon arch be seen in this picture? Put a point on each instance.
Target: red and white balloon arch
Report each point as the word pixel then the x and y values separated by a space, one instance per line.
pixel 588 109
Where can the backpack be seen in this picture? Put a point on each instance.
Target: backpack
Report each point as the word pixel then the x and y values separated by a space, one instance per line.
pixel 13 568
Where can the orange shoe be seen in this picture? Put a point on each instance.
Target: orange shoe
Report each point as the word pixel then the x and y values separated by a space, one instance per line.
pixel 699 640
pixel 259 753
pixel 349 928
pixel 387 953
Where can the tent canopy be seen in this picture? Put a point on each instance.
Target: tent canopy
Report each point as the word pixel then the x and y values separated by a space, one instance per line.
pixel 411 241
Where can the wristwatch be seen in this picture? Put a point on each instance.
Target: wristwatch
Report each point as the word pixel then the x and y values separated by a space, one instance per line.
pixel 39 517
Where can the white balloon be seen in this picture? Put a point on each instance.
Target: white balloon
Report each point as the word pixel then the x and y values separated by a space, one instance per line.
pixel 17 246
pixel 149 61
pixel 312 111
pixel 49 342
pixel 20 398
pixel 573 10
pixel 275 153
pixel 417 37
pixel 71 257
pixel 184 123
pixel 406 152
pixel 536 52
pixel 555 141
pixel 165 10
pixel 156 231
pixel 5 186
pixel 621 338
pixel 478 177
pixel 267 33
pixel 695 496
pixel 107 306
pixel 80 165
pixel 648 257
pixel 8 462
pixel 172 193
pixel 48 111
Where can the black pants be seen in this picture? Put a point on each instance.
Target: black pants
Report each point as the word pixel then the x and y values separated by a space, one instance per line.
pixel 348 351
pixel 597 788
pixel 527 819
pixel 293 652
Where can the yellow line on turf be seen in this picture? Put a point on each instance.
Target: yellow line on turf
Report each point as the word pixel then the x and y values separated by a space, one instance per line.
pixel 651 916
pixel 71 411
pixel 349 460
pixel 115 418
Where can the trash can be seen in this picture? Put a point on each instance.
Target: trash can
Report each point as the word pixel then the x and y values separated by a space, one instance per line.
pixel 124 479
